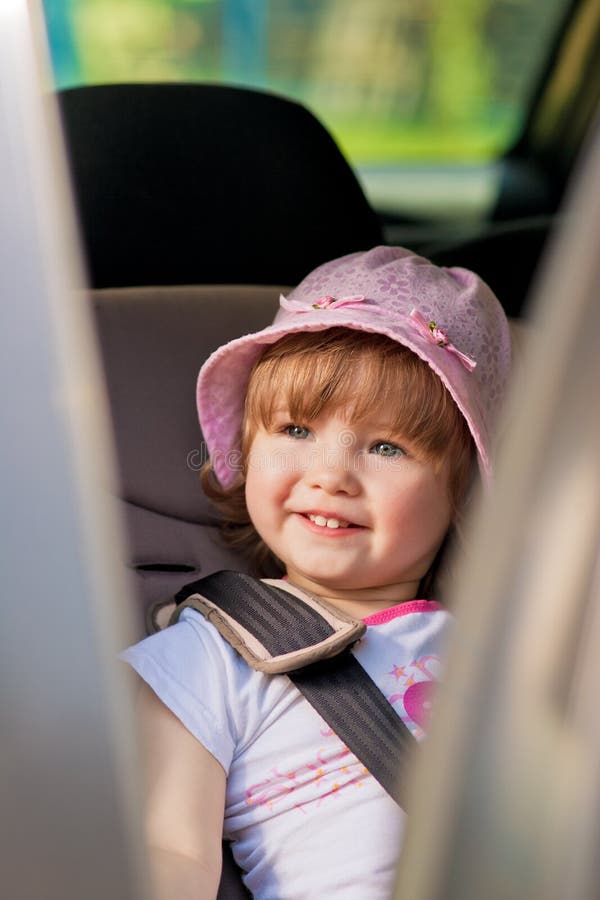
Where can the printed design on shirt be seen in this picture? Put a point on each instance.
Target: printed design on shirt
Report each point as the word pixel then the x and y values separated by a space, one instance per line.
pixel 416 681
pixel 333 768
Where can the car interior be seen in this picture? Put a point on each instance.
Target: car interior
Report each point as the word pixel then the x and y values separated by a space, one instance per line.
pixel 186 248
pixel 199 204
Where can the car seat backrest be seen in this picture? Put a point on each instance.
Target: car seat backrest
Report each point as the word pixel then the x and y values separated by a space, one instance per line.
pixel 153 342
pixel 207 184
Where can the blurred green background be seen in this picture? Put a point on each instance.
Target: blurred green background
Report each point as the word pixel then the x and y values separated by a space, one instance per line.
pixel 402 84
pixel 393 79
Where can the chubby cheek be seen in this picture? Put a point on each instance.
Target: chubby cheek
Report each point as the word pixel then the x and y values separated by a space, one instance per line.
pixel 266 515
pixel 419 516
pixel 257 487
pixel 267 487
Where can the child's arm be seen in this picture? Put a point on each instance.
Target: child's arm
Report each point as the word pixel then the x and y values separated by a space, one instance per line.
pixel 185 798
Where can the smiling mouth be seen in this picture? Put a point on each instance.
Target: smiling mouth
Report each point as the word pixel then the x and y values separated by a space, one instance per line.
pixel 326 522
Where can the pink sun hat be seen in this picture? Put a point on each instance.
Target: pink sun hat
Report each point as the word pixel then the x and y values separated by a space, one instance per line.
pixel 449 317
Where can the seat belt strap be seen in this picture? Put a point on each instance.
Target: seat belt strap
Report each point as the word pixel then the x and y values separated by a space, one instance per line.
pixel 338 688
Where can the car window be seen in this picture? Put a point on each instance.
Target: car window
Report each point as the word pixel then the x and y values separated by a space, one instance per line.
pixel 421 96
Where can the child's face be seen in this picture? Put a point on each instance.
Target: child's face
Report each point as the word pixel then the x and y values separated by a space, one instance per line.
pixel 350 509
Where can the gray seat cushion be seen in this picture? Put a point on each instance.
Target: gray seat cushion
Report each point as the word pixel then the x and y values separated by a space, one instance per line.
pixel 153 342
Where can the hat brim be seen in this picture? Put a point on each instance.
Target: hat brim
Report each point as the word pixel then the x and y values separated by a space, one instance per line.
pixel 223 382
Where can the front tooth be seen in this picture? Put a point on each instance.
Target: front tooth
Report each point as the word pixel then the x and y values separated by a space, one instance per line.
pixel 329 523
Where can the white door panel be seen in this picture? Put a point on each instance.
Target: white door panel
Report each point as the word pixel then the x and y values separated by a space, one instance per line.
pixel 67 770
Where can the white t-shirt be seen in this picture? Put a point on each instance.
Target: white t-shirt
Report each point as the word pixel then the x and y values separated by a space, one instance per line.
pixel 305 817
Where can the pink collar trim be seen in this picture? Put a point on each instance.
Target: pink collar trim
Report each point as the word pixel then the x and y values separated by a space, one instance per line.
pixel 402 609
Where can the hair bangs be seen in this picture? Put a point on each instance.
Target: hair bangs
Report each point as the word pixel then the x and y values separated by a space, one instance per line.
pixel 356 372
pixel 308 376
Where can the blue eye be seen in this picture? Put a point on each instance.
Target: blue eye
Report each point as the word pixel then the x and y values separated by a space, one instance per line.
pixel 299 432
pixel 385 448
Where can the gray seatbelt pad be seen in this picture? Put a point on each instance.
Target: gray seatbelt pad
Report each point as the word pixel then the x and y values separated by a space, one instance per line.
pixel 339 688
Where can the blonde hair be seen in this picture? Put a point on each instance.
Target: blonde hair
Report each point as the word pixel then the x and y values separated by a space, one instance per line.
pixel 342 368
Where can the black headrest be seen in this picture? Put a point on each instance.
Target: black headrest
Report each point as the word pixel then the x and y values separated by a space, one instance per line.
pixel 197 184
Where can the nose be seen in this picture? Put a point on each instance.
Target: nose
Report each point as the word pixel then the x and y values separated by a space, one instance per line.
pixel 332 471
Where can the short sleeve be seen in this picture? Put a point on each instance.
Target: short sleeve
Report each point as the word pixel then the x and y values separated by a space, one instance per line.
pixel 193 671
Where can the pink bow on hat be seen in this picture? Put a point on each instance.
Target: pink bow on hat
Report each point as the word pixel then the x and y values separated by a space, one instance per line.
pixel 325 302
pixel 435 335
